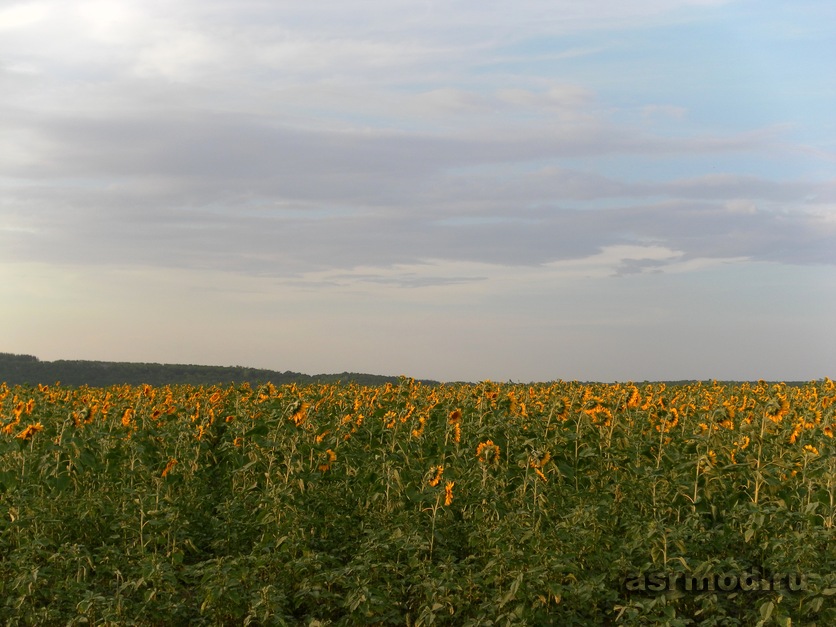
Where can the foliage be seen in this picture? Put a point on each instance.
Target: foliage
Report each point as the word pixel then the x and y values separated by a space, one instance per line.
pixel 487 504
pixel 29 370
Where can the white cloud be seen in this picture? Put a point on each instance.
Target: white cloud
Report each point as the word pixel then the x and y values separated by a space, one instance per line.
pixel 178 56
pixel 113 23
pixel 22 15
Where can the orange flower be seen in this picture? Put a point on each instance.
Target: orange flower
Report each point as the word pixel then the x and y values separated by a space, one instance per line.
pixel 331 457
pixel 743 443
pixel 537 465
pixel 29 431
pixel 457 433
pixel 11 426
pixel 448 492
pixel 171 463
pixel 300 414
pixel 438 470
pixel 634 399
pixel 487 451
pixel 422 421
pixel 795 433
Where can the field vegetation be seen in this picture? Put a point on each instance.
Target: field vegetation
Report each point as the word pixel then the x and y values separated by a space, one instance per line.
pixel 411 504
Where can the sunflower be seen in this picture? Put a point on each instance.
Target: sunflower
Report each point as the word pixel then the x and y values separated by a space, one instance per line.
pixel 448 492
pixel 29 431
pixel 330 458
pixel 171 463
pixel 487 452
pixel 437 471
pixel 538 464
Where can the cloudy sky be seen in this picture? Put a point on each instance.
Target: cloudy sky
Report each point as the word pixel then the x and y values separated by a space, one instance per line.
pixel 459 190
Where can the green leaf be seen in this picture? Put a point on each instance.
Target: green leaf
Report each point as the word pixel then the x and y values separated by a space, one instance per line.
pixel 259 429
pixel 766 610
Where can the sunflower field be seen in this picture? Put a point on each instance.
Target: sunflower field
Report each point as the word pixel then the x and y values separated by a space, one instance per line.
pixel 406 504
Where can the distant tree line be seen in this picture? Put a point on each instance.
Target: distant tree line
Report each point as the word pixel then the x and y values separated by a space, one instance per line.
pixel 29 370
pixel 18 369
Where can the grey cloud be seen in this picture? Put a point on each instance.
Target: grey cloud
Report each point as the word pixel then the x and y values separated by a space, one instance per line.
pixel 730 186
pixel 273 244
pixel 234 192
pixel 236 153
pixel 402 279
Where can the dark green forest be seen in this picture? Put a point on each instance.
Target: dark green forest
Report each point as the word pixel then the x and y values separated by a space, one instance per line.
pixel 16 369
pixel 29 370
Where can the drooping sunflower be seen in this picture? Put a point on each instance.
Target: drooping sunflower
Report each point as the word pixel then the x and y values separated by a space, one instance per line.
pixel 448 493
pixel 29 431
pixel 330 458
pixel 437 471
pixel 171 463
pixel 487 452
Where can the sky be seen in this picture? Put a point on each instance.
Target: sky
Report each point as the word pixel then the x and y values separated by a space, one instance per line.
pixel 460 190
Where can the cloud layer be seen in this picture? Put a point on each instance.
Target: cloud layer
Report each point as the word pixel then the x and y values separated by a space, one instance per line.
pixel 416 146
